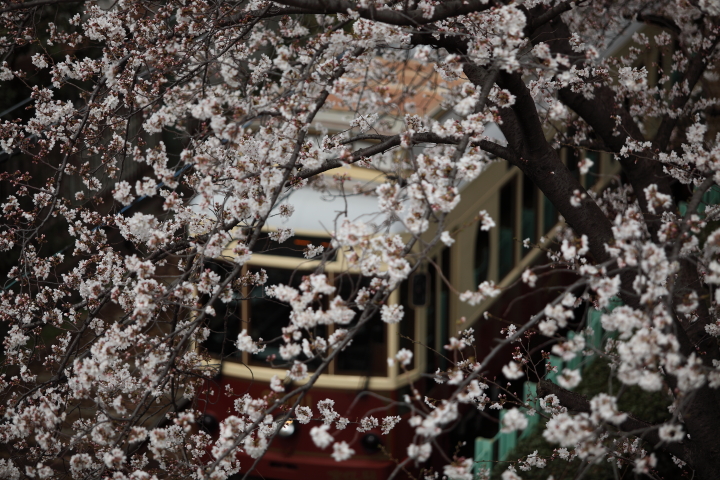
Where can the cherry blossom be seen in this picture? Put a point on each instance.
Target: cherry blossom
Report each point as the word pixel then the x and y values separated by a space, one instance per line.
pixel 163 149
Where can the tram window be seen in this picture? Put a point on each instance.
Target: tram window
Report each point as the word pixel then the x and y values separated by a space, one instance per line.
pixel 431 318
pixel 550 216
pixel 224 325
pixel 444 311
pixel 224 329
pixel 572 157
pixel 711 197
pixel 367 354
pixel 482 255
pixel 419 286
pixel 593 175
pixel 293 247
pixel 268 316
pixel 407 325
pixel 507 228
pixel 529 215
pixel 347 285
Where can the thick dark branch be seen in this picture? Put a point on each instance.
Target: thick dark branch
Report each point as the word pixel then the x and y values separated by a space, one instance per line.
pixel 601 113
pixel 525 111
pixel 532 153
pixel 687 281
pixel 36 3
pixel 452 43
pixel 692 75
pixel 446 10
pixel 381 147
pixel 575 402
pixel 386 144
pixel 660 21
pixel 499 151
pixel 361 138
pixel 273 12
pixel 535 22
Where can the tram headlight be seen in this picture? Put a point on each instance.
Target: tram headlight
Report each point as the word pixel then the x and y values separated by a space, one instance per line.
pixel 287 430
pixel 209 423
pixel 371 442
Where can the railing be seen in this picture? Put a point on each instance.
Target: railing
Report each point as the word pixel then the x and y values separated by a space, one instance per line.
pixel 498 448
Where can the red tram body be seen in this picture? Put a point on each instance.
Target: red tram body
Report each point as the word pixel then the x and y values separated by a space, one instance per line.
pixel 296 457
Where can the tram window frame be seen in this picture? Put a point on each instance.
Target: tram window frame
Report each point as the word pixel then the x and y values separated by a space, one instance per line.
pixel 571 157
pixel 507 199
pixel 295 276
pixel 294 247
pixel 594 174
pixel 336 267
pixel 219 324
pixel 550 215
pixel 242 320
pixel 529 205
pixel 446 298
pixel 408 328
pixel 483 248
pixel 222 329
pixel 431 326
pixel 376 364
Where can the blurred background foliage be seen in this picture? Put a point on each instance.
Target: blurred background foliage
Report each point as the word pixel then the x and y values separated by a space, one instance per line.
pixel 646 406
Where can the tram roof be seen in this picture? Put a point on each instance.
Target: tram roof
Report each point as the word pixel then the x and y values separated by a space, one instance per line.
pixel 317 212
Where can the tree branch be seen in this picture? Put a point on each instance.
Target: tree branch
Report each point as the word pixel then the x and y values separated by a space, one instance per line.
pixel 602 112
pixel 386 144
pixel 692 76
pixel 36 3
pixel 498 150
pixel 535 22
pixel 446 10
pixel 539 161
pixel 659 20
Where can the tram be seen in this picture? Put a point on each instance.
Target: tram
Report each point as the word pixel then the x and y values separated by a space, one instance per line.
pixel 359 380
